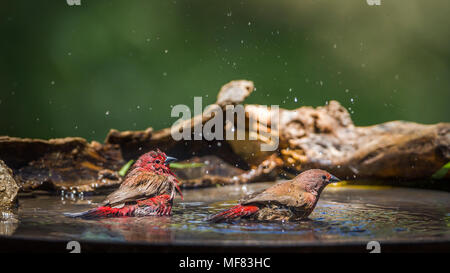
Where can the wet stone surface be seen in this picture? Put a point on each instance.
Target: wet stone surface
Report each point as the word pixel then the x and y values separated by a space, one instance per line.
pixel 343 214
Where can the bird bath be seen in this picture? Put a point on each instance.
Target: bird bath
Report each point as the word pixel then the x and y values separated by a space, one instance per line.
pixel 344 216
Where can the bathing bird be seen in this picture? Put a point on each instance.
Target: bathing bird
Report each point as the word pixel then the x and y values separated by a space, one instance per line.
pixel 148 189
pixel 287 201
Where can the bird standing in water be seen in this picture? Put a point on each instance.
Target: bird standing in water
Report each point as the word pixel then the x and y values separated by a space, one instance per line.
pixel 148 189
pixel 287 201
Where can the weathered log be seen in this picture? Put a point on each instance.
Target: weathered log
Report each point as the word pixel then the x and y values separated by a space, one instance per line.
pixel 323 137
pixel 326 138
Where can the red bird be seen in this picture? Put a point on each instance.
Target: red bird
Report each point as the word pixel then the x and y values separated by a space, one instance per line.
pixel 148 189
pixel 290 200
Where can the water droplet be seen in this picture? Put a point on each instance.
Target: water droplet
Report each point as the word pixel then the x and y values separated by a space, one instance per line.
pixel 295 99
pixel 107 113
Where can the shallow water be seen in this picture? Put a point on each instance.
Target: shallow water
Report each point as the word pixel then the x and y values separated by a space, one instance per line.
pixel 343 214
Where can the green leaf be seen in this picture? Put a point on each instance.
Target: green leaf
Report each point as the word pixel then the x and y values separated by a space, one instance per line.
pixel 441 172
pixel 125 168
pixel 186 165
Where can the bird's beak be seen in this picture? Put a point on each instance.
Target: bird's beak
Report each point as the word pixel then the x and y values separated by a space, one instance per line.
pixel 333 179
pixel 170 159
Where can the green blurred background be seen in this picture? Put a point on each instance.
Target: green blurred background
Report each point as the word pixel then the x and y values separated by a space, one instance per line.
pixel 81 70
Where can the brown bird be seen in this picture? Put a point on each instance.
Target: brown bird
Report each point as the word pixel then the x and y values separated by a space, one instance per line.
pixel 148 189
pixel 287 201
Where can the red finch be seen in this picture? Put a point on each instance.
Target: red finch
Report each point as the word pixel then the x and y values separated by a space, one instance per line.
pixel 290 200
pixel 148 189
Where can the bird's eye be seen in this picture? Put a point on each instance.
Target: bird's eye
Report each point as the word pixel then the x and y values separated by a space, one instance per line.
pixel 324 177
pixel 157 161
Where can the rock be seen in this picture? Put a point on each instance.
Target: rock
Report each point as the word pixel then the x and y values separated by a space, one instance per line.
pixel 69 164
pixel 8 188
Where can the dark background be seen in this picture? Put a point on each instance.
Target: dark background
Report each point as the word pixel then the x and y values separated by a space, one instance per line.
pixel 81 70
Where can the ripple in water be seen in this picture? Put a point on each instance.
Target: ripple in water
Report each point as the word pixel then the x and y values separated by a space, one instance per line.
pixel 342 214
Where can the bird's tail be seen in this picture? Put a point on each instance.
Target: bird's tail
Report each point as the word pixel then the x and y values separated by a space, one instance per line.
pixel 233 213
pixel 159 205
pixel 102 212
